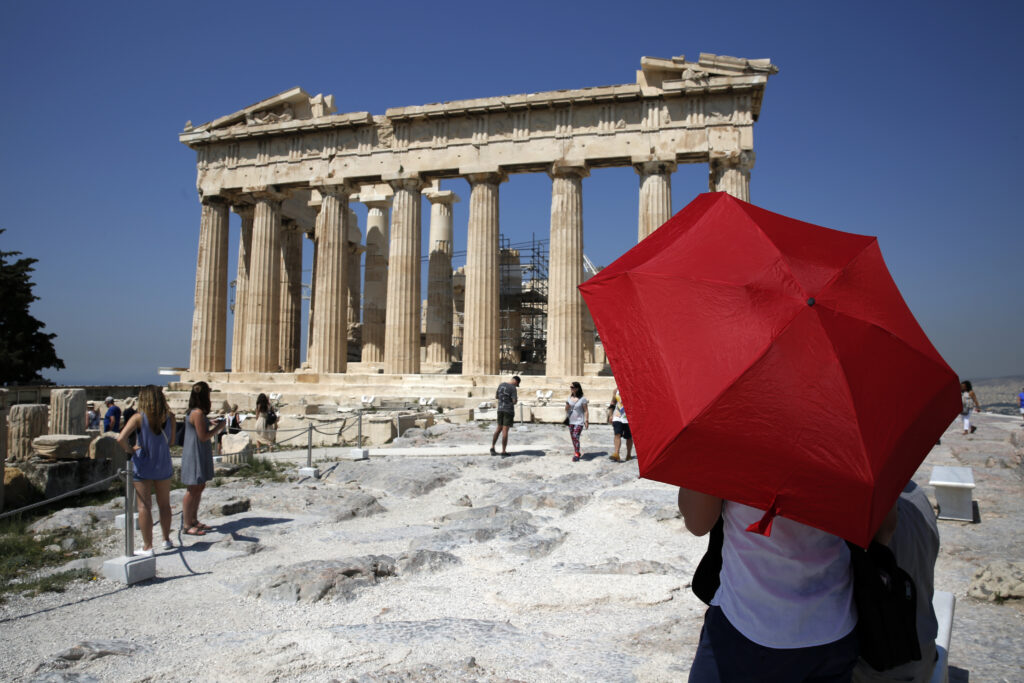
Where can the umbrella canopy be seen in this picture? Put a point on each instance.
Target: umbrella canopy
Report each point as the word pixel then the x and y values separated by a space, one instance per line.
pixel 772 362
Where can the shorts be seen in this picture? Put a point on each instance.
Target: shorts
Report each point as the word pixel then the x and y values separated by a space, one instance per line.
pixel 622 429
pixel 506 419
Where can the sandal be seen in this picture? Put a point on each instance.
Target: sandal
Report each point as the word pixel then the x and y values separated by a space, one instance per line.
pixel 194 531
pixel 204 527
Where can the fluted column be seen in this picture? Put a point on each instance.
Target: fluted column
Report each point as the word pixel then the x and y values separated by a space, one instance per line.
pixel 354 254
pixel 238 347
pixel 375 287
pixel 565 272
pixel 655 195
pixel 480 323
pixel 330 324
pixel 291 296
pixel 439 277
pixel 402 319
pixel 731 173
pixel 263 302
pixel 311 236
pixel 209 317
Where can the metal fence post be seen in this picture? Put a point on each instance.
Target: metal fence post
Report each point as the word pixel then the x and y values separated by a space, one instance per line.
pixel 129 511
pixel 309 445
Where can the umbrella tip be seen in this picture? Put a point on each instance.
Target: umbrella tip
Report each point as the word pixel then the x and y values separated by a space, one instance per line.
pixel 810 302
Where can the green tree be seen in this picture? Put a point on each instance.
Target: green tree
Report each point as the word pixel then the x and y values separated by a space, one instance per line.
pixel 24 348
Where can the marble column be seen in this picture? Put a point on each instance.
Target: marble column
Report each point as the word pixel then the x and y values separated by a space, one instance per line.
pixel 209 318
pixel 402 318
pixel 67 411
pixel 731 173
pixel 311 236
pixel 565 272
pixel 439 276
pixel 655 195
pixel 291 296
pixel 480 323
pixel 375 289
pixel 263 301
pixel 238 347
pixel 354 254
pixel 330 324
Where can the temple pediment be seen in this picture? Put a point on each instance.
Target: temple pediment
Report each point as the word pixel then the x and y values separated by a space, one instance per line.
pixel 291 105
pixel 678 74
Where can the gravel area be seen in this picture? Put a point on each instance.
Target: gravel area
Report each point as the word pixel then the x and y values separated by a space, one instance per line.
pixel 461 568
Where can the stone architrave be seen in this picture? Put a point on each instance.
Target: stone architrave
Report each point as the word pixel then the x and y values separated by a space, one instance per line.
pixel 375 290
pixel 402 321
pixel 67 411
pixel 24 423
pixel 439 276
pixel 245 212
pixel 731 173
pixel 480 323
pixel 209 318
pixel 263 306
pixel 291 296
pixel 565 273
pixel 655 195
pixel 330 326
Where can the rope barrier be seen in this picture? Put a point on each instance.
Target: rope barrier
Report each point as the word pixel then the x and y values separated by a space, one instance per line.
pixel 10 513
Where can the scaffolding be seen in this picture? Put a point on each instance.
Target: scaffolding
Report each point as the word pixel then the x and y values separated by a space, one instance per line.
pixel 523 304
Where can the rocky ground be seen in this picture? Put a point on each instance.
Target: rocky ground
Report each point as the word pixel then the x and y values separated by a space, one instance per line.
pixel 464 568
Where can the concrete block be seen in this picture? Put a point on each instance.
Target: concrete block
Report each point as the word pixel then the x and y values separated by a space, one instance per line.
pixel 309 472
pixel 459 415
pixel 357 454
pixel 953 492
pixel 378 430
pixel 130 570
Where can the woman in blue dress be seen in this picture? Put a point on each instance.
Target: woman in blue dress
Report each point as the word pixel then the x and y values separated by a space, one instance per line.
pixel 151 462
pixel 197 457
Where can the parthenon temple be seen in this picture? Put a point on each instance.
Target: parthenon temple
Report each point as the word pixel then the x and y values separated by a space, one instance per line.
pixel 291 167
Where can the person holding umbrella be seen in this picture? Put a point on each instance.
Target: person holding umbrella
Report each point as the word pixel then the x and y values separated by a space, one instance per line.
pixel 577 416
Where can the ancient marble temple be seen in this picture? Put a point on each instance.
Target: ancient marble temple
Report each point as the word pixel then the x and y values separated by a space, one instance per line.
pixel 291 167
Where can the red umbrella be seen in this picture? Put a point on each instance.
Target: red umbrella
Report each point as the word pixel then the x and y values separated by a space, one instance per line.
pixel 772 362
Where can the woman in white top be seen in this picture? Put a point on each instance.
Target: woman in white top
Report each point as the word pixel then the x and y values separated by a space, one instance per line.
pixel 578 416
pixel 784 608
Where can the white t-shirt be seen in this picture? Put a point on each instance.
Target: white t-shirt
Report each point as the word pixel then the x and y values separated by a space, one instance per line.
pixel 576 406
pixel 788 590
pixel 619 414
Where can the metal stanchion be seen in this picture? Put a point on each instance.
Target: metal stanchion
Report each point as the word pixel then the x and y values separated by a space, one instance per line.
pixel 130 569
pixel 309 470
pixel 129 511
pixel 359 453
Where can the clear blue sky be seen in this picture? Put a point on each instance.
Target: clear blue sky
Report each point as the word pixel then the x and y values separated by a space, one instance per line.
pixel 900 120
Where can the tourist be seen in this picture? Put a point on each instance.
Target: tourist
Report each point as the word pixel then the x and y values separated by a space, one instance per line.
pixel 234 422
pixel 1020 403
pixel 577 416
pixel 197 457
pixel 129 410
pixel 151 462
pixel 915 544
pixel 266 424
pixel 112 418
pixel 620 426
pixel 968 402
pixel 92 416
pixel 783 610
pixel 507 396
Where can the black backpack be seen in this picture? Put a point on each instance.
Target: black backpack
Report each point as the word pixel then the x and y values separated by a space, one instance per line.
pixel 271 419
pixel 886 600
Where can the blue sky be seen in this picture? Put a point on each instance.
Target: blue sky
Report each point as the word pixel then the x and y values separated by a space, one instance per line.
pixel 899 120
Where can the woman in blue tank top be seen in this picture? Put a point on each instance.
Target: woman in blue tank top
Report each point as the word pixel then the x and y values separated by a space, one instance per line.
pixel 151 462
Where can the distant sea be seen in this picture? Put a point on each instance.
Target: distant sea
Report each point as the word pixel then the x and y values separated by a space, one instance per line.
pixel 999 394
